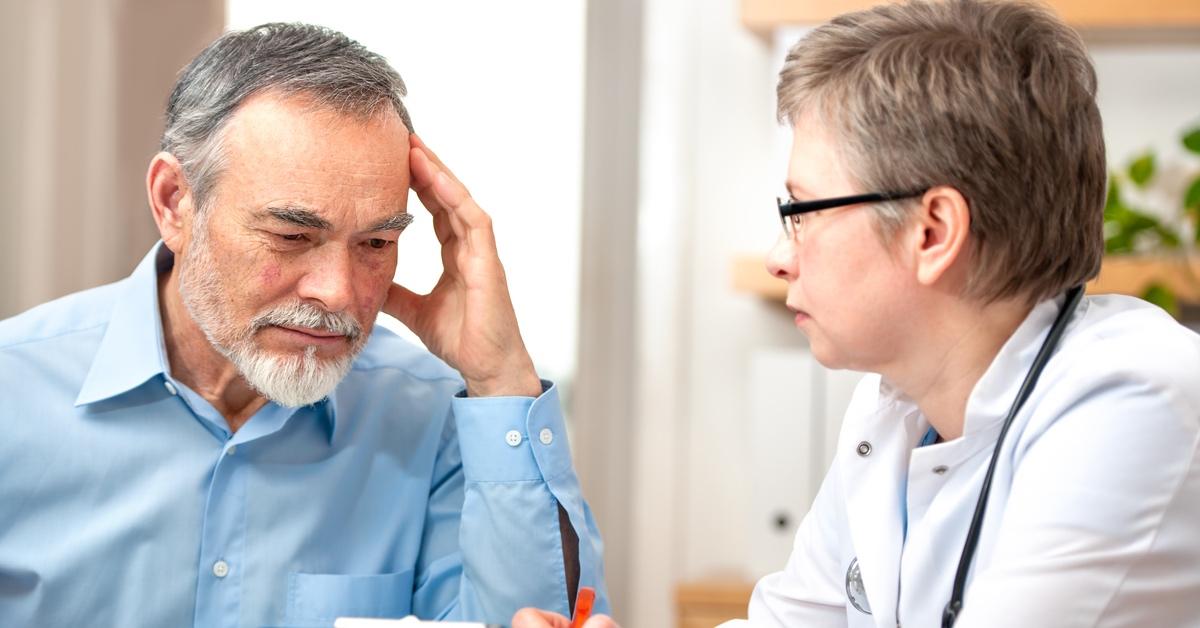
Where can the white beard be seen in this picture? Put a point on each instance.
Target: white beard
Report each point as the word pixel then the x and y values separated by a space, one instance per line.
pixel 288 380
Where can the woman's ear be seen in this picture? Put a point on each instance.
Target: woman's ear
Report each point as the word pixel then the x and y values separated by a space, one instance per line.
pixel 940 233
pixel 170 199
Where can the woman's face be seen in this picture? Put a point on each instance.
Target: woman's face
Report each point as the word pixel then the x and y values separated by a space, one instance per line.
pixel 852 295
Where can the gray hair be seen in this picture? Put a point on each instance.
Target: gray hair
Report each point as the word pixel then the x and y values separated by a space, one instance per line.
pixel 995 99
pixel 337 72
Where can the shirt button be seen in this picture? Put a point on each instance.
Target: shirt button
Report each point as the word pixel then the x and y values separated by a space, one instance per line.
pixel 513 438
pixel 220 569
pixel 170 387
pixel 864 449
pixel 546 436
pixel 232 450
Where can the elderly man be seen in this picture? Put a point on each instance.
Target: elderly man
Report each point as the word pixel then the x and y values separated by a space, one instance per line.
pixel 225 438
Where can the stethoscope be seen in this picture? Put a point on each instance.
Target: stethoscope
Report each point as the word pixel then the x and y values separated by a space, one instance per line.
pixel 954 607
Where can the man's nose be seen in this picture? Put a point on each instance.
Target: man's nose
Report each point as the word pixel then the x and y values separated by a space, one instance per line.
pixel 330 279
pixel 781 259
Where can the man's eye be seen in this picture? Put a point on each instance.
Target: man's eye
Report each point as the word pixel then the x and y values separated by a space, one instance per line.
pixel 291 237
pixel 379 243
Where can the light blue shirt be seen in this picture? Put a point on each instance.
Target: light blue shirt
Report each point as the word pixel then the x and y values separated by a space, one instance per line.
pixel 125 500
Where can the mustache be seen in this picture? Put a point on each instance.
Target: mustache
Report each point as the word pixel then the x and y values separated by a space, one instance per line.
pixel 309 316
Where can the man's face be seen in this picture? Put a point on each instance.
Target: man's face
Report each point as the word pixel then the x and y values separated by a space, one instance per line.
pixel 289 267
pixel 849 291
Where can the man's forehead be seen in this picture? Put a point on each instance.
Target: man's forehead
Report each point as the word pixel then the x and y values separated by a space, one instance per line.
pixel 284 153
pixel 294 129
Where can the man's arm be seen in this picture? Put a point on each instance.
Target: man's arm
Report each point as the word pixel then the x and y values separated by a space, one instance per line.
pixel 510 473
pixel 508 548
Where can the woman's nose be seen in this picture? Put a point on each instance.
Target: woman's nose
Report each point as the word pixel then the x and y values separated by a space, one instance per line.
pixel 781 259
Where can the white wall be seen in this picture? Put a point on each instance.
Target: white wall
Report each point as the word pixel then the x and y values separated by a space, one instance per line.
pixel 495 88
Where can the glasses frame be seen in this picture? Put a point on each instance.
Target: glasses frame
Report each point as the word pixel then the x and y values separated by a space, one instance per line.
pixel 797 208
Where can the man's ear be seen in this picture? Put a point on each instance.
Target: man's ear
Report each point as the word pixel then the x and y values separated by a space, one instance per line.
pixel 170 199
pixel 940 235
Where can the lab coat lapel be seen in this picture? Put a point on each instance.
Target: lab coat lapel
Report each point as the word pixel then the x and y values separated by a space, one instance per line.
pixel 874 486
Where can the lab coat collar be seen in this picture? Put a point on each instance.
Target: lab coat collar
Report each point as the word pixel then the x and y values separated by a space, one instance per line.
pixel 995 391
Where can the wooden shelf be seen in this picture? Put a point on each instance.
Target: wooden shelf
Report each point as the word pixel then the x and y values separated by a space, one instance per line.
pixel 708 603
pixel 764 16
pixel 1132 274
pixel 750 276
pixel 1124 274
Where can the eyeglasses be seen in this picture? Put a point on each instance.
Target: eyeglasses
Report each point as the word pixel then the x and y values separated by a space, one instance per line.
pixel 791 213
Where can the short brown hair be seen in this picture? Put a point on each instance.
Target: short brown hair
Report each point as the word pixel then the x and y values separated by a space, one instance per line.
pixel 993 98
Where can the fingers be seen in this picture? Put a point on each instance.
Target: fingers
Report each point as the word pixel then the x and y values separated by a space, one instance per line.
pixel 440 191
pixel 534 618
pixel 417 142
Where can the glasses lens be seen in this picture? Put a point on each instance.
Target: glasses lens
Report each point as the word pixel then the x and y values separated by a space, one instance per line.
pixel 793 225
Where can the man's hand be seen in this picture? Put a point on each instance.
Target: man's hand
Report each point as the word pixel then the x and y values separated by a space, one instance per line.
pixel 468 319
pixel 534 618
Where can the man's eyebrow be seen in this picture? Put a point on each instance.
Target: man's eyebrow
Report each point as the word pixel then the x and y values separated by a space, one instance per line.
pixel 296 215
pixel 393 223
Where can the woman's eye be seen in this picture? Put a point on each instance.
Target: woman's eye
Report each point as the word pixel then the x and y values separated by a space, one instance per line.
pixel 379 243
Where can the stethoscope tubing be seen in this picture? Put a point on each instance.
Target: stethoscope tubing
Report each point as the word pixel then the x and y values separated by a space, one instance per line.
pixel 954 606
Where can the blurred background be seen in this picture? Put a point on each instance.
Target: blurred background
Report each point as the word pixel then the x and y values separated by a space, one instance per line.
pixel 629 154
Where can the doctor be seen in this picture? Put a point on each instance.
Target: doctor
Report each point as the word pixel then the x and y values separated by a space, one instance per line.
pixel 947 183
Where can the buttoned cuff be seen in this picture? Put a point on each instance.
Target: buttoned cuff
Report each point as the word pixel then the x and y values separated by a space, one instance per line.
pixel 512 439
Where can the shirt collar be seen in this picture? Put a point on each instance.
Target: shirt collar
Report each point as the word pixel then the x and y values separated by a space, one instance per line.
pixel 132 350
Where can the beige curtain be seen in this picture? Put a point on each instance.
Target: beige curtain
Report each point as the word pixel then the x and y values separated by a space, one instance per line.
pixel 84 83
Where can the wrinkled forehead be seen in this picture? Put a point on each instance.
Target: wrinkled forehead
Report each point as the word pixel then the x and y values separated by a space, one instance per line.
pixel 286 148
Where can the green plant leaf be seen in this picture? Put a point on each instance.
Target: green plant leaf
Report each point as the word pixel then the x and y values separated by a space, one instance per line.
pixel 1191 140
pixel 1113 198
pixel 1123 225
pixel 1120 243
pixel 1167 239
pixel 1163 297
pixel 1191 198
pixel 1142 169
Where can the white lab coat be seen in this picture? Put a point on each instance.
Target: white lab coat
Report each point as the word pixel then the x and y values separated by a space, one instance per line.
pixel 1094 515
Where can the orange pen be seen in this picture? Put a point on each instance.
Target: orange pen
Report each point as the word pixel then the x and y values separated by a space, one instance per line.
pixel 583 606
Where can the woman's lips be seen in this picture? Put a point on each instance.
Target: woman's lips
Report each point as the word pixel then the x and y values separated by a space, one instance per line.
pixel 801 315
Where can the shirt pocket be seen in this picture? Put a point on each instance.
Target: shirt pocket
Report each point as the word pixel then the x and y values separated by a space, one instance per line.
pixel 325 597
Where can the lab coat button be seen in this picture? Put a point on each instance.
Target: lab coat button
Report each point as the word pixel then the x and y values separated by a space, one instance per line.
pixel 864 449
pixel 513 438
pixel 941 469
